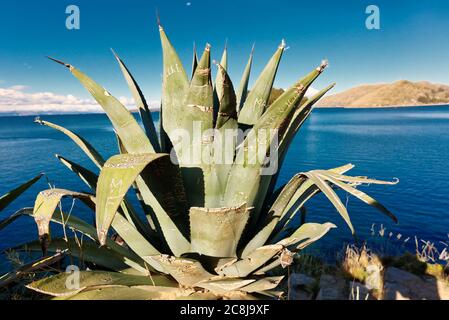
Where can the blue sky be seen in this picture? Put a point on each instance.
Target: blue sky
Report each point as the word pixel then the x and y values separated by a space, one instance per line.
pixel 412 43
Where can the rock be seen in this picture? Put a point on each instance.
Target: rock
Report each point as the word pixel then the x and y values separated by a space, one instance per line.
pixel 359 291
pixel 298 294
pixel 393 274
pixel 300 279
pixel 332 288
pixel 394 291
pixel 443 289
pixel 298 284
pixel 400 285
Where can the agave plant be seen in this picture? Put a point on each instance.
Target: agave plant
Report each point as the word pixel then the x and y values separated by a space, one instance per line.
pixel 212 230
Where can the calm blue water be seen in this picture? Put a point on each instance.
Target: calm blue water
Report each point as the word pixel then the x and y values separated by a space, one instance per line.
pixel 411 144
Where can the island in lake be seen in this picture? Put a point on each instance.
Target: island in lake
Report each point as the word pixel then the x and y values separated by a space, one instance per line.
pixel 398 94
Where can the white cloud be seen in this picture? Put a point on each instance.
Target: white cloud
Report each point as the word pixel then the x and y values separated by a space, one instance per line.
pixel 15 99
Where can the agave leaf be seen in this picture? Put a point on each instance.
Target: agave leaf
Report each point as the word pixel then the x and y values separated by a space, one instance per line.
pixel 194 155
pixel 150 232
pixel 141 103
pixel 91 179
pixel 124 230
pixel 216 232
pixel 87 176
pixel 252 262
pixel 219 78
pixel 243 87
pixel 74 223
pixel 245 177
pixel 299 117
pixel 332 196
pixel 224 140
pixel 308 184
pixel 175 84
pixel 356 180
pixel 57 285
pixel 86 251
pixel 305 235
pixel 6 222
pixel 315 231
pixel 263 284
pixel 203 296
pixel 309 233
pixel 125 293
pixel 163 186
pixel 126 126
pixel 187 272
pixel 221 286
pixel 44 208
pixel 136 241
pixel 287 193
pixel 30 267
pixel 361 195
pixel 303 194
pixel 6 199
pixel 257 99
pixel 194 60
pixel 227 113
pixel 81 142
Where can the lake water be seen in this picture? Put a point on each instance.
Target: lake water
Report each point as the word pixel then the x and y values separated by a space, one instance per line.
pixel 411 144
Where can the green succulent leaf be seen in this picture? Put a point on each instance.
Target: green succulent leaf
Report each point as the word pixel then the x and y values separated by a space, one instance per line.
pixel 264 284
pixel 127 208
pixel 243 87
pixel 332 196
pixel 126 126
pixel 275 214
pixel 30 267
pixel 194 60
pixel 88 149
pixel 144 111
pixel 12 195
pixel 198 124
pixel 73 223
pixel 227 113
pixel 334 179
pixel 88 177
pixel 121 293
pixel 44 207
pixel 245 177
pixel 257 99
pixel 162 186
pixel 57 285
pixel 305 235
pixel 222 286
pixel 298 118
pixel 187 272
pixel 86 251
pixel 219 78
pixel 6 222
pixel 216 232
pixel 175 84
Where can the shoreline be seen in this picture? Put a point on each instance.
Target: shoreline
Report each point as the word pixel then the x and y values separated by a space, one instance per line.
pixel 158 110
pixel 384 107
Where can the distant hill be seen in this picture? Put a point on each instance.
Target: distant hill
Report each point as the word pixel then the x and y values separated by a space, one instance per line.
pixel 400 93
